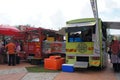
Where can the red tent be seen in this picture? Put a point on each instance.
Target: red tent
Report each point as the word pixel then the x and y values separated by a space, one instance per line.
pixel 9 30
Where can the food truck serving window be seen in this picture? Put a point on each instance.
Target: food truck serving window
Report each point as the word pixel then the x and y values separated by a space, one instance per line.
pixel 80 34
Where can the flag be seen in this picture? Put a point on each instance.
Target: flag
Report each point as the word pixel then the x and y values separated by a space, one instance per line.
pixel 94 8
pixel 97 35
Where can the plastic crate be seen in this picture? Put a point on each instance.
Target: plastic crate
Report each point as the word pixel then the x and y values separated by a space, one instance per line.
pixel 55 57
pixel 71 39
pixel 78 40
pixel 53 64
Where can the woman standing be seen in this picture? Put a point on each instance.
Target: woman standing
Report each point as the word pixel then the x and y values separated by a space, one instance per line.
pixel 114 56
pixel 18 48
pixel 1 52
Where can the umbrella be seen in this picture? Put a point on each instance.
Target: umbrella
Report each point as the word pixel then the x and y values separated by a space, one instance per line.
pixel 9 30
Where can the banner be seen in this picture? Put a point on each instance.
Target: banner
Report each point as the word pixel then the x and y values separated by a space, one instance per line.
pixel 97 35
pixel 94 8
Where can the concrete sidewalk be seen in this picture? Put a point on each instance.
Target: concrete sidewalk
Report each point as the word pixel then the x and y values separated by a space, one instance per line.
pixel 13 76
pixel 22 74
pixel 19 72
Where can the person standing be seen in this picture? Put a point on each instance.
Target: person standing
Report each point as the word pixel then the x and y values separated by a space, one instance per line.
pixel 114 55
pixel 1 52
pixel 11 52
pixel 1 46
pixel 18 48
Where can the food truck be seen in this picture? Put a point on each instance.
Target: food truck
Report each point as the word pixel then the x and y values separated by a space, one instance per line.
pixel 40 43
pixel 86 46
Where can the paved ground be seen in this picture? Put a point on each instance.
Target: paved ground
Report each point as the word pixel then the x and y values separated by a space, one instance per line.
pixel 19 72
pixel 22 74
pixel 40 76
pixel 87 75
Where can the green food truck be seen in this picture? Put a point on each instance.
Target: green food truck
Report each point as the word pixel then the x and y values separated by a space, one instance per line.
pixel 86 46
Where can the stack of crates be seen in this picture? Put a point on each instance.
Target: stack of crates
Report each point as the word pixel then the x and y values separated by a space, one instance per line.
pixel 53 62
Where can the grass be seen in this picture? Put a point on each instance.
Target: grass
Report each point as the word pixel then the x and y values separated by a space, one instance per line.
pixel 40 69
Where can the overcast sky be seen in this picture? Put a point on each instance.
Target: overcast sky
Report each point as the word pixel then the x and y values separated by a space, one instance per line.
pixel 53 14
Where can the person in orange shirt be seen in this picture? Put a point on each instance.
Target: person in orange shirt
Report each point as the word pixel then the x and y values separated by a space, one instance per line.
pixel 11 52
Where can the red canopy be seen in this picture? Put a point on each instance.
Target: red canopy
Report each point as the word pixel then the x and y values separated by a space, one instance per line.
pixel 9 30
